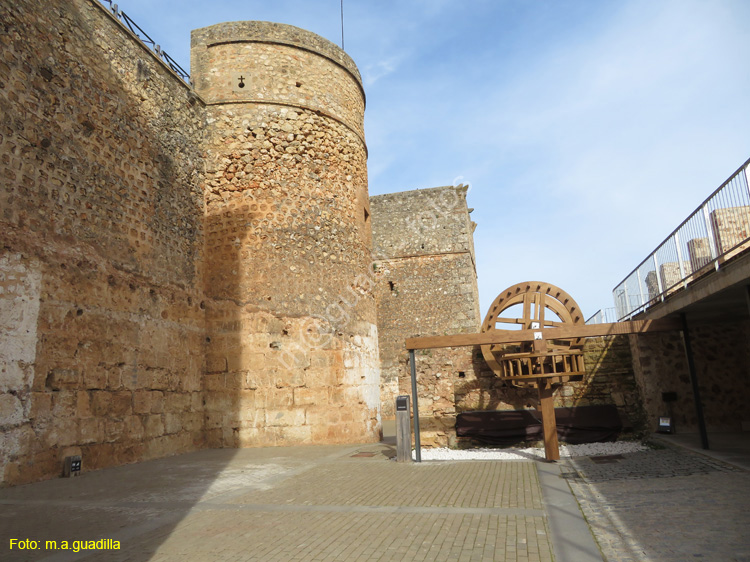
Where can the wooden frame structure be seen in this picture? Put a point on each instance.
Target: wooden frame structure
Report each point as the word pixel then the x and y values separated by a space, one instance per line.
pixel 538 338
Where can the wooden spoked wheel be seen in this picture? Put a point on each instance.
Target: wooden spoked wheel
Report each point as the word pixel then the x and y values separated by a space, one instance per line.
pixel 534 305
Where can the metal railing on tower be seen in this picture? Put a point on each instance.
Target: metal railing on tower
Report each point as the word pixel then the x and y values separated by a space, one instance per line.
pixel 146 39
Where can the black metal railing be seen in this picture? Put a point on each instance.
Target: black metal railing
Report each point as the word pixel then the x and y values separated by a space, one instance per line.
pixel 146 39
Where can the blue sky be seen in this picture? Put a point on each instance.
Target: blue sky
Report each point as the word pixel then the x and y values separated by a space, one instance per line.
pixel 588 130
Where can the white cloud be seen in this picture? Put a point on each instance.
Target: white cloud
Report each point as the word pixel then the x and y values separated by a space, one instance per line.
pixel 629 130
pixel 377 70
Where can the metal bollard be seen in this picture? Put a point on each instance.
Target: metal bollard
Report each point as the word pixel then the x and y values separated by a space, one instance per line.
pixel 403 430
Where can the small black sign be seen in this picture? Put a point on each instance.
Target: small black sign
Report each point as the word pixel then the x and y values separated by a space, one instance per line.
pixel 72 466
pixel 402 403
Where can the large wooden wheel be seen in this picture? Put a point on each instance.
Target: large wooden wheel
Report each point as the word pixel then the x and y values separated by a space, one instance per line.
pixel 534 305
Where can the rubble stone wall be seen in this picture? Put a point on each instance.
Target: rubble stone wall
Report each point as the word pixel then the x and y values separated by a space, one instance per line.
pixel 292 335
pixel 101 240
pixel 722 372
pixel 427 285
pixel 731 226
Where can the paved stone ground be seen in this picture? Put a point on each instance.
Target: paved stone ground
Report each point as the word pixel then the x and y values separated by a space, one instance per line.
pixel 664 506
pixel 302 503
pixel 355 504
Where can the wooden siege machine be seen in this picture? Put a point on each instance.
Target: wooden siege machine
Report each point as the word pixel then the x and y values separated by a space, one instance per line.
pixel 544 363
pixel 542 306
pixel 533 335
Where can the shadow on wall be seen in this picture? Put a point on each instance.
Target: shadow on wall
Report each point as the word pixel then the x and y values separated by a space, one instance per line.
pixel 104 219
pixel 455 380
pixel 102 231
pixel 609 381
pixel 721 360
pixel 633 372
pixel 481 389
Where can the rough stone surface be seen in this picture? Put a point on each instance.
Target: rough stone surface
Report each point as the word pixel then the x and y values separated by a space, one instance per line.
pixel 101 242
pixel 731 226
pixel 175 274
pixel 292 336
pixel 721 366
pixel 609 379
pixel 183 268
pixel 427 285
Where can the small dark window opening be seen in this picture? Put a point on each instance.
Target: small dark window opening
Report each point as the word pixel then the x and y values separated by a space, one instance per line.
pixel 298 84
pixel 391 285
pixel 461 375
pixel 367 215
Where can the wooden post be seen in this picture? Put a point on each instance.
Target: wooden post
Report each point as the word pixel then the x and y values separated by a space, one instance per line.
pixel 549 424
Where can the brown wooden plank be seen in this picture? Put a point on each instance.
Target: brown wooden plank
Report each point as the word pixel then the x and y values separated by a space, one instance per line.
pixel 549 424
pixel 563 332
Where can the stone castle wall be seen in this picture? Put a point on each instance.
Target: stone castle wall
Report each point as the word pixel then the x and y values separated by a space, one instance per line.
pixel 175 273
pixel 292 356
pixel 731 226
pixel 183 268
pixel 424 249
pixel 101 245
pixel 427 286
pixel 721 363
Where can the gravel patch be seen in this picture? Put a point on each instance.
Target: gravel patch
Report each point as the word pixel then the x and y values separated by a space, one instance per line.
pixel 532 453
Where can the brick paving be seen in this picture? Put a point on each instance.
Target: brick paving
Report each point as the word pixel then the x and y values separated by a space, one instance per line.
pixel 664 506
pixel 326 504
pixel 303 503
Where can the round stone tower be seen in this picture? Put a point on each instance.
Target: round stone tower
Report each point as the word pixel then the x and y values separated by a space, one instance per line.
pixel 292 345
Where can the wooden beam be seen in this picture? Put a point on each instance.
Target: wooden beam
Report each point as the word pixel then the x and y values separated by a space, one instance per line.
pixel 570 331
pixel 549 423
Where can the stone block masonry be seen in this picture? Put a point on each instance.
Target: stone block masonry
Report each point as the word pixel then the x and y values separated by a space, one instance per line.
pixel 178 271
pixel 427 285
pixel 292 337
pixel 425 263
pixel 183 268
pixel 101 244
pixel 722 370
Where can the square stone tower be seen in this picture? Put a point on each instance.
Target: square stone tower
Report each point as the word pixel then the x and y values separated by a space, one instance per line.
pixel 424 248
